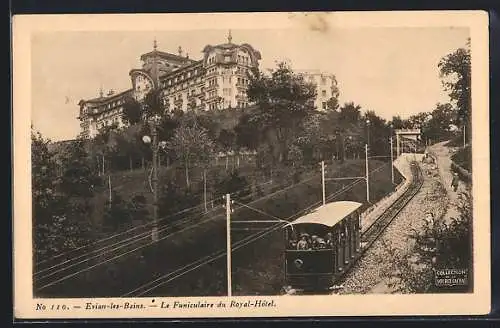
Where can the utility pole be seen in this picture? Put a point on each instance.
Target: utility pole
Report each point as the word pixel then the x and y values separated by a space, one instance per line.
pixel 110 194
pixel 367 175
pixel 323 181
pixel 397 145
pixel 464 137
pixel 392 161
pixel 228 240
pixel 154 230
pixel 205 189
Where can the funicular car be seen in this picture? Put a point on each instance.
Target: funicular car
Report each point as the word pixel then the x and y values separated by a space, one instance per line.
pixel 321 245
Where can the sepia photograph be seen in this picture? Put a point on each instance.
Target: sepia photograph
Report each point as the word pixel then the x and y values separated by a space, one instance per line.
pixel 231 163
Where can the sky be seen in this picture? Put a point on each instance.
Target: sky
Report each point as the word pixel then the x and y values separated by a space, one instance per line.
pixel 391 70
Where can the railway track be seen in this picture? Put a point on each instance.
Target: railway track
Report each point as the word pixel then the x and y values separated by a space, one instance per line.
pixel 378 226
pixel 376 229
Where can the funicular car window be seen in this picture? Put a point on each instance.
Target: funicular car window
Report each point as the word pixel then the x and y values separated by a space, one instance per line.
pixel 309 237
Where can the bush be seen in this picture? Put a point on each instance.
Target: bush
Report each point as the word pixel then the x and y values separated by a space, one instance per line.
pixel 234 183
pixel 117 212
pixel 440 245
pixel 463 158
pixel 137 207
pixel 173 199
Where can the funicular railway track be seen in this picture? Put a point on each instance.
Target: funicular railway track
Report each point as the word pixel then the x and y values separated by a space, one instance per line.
pixel 383 221
pixel 375 230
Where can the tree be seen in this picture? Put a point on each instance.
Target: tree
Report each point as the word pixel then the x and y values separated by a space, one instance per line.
pixel 234 184
pixel 78 180
pixel 283 99
pixel 455 72
pixel 333 103
pixel 191 145
pixel 44 179
pixel 248 132
pixel 398 123
pixel 132 111
pixel 311 137
pixel 437 125
pixel 55 228
pixel 379 134
pixel 295 155
pixel 350 113
pixel 105 145
pixel 226 139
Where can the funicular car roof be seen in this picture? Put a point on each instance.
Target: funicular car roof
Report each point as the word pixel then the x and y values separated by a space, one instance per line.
pixel 329 214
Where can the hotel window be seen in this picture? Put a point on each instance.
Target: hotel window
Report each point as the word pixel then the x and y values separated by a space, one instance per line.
pixel 324 105
pixel 323 93
pixel 323 80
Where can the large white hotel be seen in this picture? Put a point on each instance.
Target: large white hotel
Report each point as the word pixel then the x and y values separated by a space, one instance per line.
pixel 218 80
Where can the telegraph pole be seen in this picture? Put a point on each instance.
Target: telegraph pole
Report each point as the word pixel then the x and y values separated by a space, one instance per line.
pixel 323 181
pixel 464 137
pixel 392 161
pixel 367 175
pixel 205 189
pixel 154 231
pixel 228 240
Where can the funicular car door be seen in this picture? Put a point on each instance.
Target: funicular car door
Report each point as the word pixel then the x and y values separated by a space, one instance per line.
pixel 356 233
pixel 341 245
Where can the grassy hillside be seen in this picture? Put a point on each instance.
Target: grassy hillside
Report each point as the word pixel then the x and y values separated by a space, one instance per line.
pixel 257 267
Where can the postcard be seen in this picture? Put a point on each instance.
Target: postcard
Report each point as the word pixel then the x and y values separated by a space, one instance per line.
pixel 239 165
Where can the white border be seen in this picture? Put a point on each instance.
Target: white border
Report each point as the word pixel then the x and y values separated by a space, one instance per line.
pixel 334 305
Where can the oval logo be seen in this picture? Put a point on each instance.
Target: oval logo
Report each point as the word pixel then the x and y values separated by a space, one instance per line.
pixel 298 263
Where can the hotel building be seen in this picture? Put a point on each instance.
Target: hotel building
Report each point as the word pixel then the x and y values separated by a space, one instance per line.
pixel 219 80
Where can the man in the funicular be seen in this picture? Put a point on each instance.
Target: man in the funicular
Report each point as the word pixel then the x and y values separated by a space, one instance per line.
pixel 329 240
pixel 303 243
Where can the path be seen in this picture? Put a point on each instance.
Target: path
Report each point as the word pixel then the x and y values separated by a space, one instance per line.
pixel 443 157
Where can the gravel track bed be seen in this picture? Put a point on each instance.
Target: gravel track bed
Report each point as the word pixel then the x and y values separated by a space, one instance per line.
pixel 366 276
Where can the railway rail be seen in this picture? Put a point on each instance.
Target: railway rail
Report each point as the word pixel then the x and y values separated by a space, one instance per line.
pixel 375 230
pixel 384 220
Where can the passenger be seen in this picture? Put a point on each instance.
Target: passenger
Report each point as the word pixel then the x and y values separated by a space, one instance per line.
pixel 329 240
pixel 314 242
pixel 302 244
pixel 454 182
pixel 321 243
pixel 293 243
